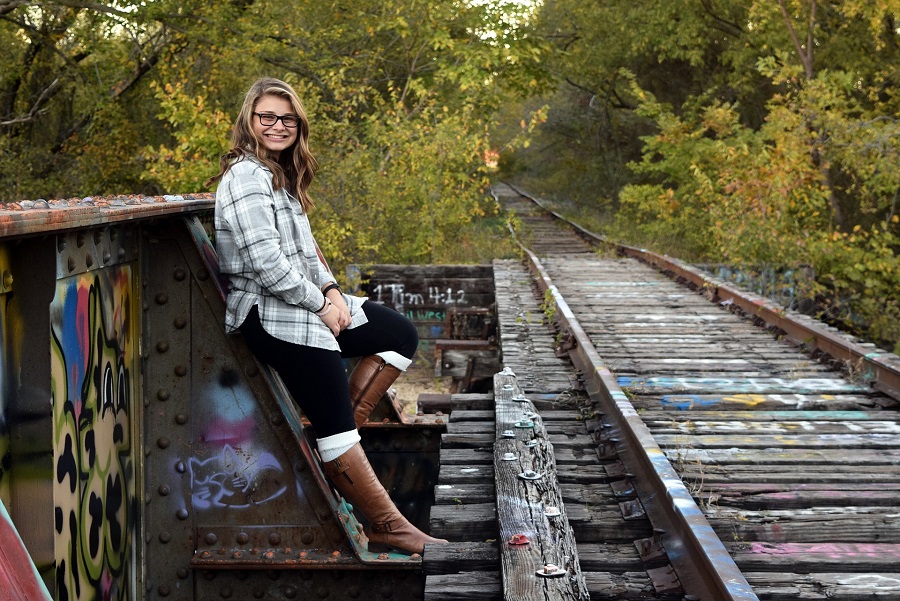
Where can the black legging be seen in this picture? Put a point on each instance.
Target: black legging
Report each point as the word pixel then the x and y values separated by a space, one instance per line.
pixel 316 377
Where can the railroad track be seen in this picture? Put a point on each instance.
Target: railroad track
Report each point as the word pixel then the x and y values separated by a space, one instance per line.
pixel 700 455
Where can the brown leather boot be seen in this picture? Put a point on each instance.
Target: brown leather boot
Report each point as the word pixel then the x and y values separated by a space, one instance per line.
pixel 353 477
pixel 370 379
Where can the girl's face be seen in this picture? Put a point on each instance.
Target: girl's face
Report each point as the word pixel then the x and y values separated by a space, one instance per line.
pixel 275 137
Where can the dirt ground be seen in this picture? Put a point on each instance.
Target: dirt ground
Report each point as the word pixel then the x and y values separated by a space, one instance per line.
pixel 419 378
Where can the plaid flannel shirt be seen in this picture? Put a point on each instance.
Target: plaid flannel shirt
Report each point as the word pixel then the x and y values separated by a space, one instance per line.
pixel 267 251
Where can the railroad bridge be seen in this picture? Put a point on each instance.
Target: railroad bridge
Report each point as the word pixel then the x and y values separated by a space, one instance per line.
pixel 147 455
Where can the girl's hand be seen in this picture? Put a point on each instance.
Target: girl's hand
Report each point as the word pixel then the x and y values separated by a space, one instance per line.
pixel 343 311
pixel 331 318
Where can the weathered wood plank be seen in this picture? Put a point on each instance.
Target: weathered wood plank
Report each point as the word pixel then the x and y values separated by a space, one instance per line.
pixel 790 586
pixel 816 557
pixel 462 494
pixel 811 525
pixel 526 486
pixel 885 444
pixel 453 558
pixel 718 401
pixel 461 474
pixel 472 522
pixel 604 586
pixel 468 586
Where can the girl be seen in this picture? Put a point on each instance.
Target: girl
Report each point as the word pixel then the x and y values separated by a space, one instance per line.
pixel 290 311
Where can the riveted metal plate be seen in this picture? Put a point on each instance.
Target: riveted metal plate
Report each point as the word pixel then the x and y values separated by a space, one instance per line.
pixel 85 250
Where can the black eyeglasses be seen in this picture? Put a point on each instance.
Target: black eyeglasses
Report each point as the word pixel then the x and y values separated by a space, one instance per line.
pixel 268 119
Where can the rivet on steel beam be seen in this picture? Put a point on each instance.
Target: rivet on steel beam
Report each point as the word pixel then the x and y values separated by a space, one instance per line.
pixel 181 419
pixel 179 274
pixel 236 555
pixel 163 442
pixel 71 264
pixel 164 590
pixel 259 593
pixel 303 554
pixel 530 475
pixel 209 574
pixel 322 592
pixel 307 538
pixel 203 275
pixel 269 555
pixel 7 279
pixel 290 592
pixel 164 537
pixel 241 575
pixel 162 394
pixel 211 538
pixel 288 551
pixel 182 514
pixel 106 257
pixel 252 371
pixel 180 323
pixel 223 551
pixel 182 574
pixel 61 244
pixel 79 239
pixel 226 592
pixel 508 387
pixel 243 538
pixel 164 490
pixel 121 253
pixel 98 236
pixel 336 554
pixel 383 556
pixel 205 554
pixel 162 346
pixel 509 457
pixel 274 539
pixel 180 371
pixel 89 261
pixel 179 467
pixel 518 539
pixel 162 298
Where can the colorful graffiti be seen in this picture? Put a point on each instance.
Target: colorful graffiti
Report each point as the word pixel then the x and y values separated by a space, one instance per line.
pixel 93 358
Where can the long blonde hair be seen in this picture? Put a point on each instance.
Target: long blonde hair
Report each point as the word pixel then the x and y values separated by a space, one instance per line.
pixel 295 167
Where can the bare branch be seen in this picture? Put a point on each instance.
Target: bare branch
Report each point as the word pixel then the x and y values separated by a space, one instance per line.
pixel 35 109
pixel 725 26
pixel 806 56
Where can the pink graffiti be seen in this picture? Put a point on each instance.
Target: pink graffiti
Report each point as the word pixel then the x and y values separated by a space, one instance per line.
pixel 830 550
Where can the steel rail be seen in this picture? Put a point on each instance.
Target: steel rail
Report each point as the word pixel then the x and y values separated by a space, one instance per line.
pixel 880 368
pixel 703 565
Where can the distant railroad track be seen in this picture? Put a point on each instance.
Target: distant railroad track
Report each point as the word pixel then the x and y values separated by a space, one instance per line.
pixel 767 470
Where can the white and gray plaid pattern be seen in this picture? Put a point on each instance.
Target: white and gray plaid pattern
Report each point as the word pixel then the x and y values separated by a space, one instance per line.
pixel 267 251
